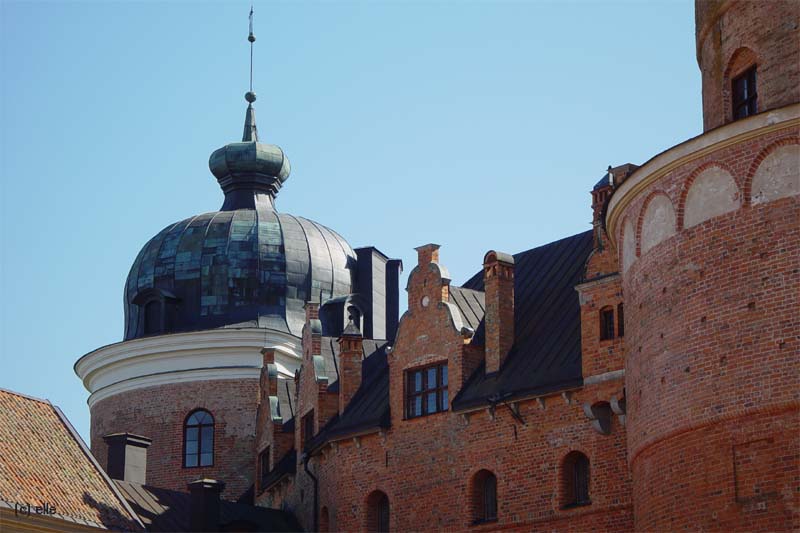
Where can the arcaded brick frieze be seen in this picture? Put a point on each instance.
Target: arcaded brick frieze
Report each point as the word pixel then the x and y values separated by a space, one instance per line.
pixel 159 414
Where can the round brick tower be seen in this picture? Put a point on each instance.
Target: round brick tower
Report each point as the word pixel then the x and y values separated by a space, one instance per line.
pixel 708 234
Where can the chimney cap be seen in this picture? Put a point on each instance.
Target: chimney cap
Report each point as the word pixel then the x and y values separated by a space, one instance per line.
pixel 351 330
pixel 206 483
pixel 128 438
pixel 501 257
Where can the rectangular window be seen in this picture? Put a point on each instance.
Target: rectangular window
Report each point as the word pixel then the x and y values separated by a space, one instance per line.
pixel 426 391
pixel 263 466
pixel 307 429
pixel 621 321
pixel 744 94
pixel 607 324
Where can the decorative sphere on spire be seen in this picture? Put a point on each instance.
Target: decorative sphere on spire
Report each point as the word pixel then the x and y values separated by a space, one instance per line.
pixel 250 96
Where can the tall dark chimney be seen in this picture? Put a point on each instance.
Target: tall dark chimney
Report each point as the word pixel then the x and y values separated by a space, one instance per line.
pixel 127 457
pixel 204 511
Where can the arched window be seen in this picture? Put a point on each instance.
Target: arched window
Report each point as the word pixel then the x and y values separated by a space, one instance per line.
pixel 575 480
pixel 484 497
pixel 198 439
pixel 153 322
pixel 377 512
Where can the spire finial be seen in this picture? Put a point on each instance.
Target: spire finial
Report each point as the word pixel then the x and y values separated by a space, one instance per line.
pixel 250 130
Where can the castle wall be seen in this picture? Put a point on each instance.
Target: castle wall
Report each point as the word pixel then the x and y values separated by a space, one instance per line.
pixel 427 465
pixel 159 414
pixel 712 315
pixel 733 35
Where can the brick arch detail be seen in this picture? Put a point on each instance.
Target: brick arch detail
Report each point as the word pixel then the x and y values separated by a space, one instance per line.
pixel 640 218
pixel 741 59
pixel 680 212
pixel 747 189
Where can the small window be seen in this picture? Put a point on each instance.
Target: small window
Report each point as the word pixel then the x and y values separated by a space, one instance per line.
pixel 198 443
pixel 308 429
pixel 377 512
pixel 620 320
pixel 576 480
pixel 606 323
pixel 263 467
pixel 744 94
pixel 484 497
pixel 426 391
pixel 153 322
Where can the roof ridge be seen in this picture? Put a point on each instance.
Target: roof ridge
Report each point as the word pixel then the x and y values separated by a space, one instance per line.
pixel 26 396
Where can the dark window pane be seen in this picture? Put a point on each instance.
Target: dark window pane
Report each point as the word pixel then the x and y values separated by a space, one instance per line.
pixel 152 317
pixel 206 459
pixel 191 434
pixel 432 378
pixel 444 375
pixel 191 460
pixel 445 400
pixel 606 324
pixel 490 498
pixel 418 406
pixel 417 381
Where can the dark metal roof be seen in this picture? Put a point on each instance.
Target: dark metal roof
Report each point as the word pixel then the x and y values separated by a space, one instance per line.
pixel 471 303
pixel 286 466
pixel 243 268
pixel 168 510
pixel 602 183
pixel 546 355
pixel 369 407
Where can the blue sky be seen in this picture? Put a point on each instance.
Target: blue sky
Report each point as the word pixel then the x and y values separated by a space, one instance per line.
pixel 476 125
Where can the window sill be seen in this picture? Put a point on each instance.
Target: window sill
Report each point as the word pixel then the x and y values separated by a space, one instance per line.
pixel 426 415
pixel 575 506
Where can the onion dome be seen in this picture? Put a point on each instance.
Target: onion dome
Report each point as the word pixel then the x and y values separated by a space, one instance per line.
pixel 245 265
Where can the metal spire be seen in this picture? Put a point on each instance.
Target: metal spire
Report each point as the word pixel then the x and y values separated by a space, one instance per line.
pixel 250 131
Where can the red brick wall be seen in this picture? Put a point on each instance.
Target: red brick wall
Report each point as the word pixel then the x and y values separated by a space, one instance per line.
pixel 712 361
pixel 727 31
pixel 159 413
pixel 425 465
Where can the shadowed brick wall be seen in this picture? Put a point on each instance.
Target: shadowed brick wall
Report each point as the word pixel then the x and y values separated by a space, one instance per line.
pixel 159 413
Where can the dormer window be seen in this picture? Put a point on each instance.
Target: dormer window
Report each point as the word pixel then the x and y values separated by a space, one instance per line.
pixel 744 94
pixel 157 310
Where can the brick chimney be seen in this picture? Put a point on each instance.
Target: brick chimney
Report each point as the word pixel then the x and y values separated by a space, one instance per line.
pixel 204 505
pixel 350 359
pixel 127 457
pixel 498 280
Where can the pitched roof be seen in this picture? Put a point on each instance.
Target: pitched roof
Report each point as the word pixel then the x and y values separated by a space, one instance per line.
pixel 471 303
pixel 169 510
pixel 369 407
pixel 43 460
pixel 546 355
